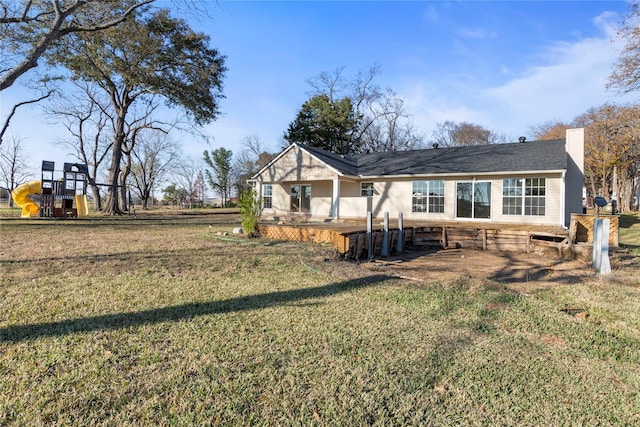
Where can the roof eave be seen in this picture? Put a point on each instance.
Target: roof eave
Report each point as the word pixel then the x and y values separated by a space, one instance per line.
pixel 275 159
pixel 436 175
pixel 290 147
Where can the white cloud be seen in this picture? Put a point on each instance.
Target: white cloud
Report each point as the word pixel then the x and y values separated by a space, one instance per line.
pixel 568 79
pixel 572 82
pixel 479 33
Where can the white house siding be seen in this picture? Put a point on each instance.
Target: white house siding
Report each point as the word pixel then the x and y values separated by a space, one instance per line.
pixel 321 199
pixel 321 192
pixel 280 201
pixel 352 205
pixel 395 196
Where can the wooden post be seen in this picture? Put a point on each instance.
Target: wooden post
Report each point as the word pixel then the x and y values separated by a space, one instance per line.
pixel 384 251
pixel 370 234
pixel 399 242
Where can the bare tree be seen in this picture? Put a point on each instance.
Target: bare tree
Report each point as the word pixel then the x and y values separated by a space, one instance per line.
pixel 189 175
pixel 626 73
pixel 452 134
pixel 383 123
pixel 154 156
pixel 14 165
pixel 250 160
pixel 550 130
pixel 87 118
pixel 14 109
pixel 244 166
pixel 391 130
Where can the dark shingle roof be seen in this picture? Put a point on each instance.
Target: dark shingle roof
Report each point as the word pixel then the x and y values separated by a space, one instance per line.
pixel 514 157
pixel 346 164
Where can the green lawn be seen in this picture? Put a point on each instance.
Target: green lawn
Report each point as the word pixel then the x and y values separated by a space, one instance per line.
pixel 630 232
pixel 161 321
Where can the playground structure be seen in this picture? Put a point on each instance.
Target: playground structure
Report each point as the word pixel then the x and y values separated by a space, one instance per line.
pixel 64 197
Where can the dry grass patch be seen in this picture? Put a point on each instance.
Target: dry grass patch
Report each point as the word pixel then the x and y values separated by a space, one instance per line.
pixel 162 322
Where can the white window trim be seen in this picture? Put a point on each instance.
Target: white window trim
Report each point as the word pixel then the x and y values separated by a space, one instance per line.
pixel 367 190
pixel 523 197
pixel 270 196
pixel 427 205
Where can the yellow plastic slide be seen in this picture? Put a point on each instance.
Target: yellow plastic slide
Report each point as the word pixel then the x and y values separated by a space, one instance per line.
pixel 20 196
pixel 81 205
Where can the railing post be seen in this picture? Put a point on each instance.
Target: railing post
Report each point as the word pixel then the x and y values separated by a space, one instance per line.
pixel 399 242
pixel 370 234
pixel 601 246
pixel 385 236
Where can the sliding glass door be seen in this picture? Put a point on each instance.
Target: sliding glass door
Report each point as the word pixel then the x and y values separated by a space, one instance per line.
pixel 473 200
pixel 300 198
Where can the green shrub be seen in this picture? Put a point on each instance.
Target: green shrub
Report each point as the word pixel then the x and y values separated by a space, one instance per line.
pixel 249 210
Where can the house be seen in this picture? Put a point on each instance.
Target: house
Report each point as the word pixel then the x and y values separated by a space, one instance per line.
pixel 537 182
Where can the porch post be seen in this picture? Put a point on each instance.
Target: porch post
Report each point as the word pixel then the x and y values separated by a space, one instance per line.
pixel 335 206
pixel 257 186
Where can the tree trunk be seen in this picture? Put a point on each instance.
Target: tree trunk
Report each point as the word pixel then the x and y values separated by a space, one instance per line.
pixel 112 206
pixel 122 189
pixel 146 196
pixel 97 202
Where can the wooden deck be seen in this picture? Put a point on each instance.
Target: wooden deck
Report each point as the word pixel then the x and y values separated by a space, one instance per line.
pixel 351 240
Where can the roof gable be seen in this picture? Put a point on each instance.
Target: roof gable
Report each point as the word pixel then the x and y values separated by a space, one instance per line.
pixel 298 162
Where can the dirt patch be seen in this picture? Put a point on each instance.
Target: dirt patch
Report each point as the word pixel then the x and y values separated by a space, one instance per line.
pixel 522 272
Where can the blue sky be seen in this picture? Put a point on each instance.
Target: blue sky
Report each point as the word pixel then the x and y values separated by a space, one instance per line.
pixel 505 65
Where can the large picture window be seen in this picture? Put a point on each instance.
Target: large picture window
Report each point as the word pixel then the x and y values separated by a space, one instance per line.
pixel 267 196
pixel 428 196
pixel 524 196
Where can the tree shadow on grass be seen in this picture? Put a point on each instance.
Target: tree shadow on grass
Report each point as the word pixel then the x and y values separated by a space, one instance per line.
pixel 18 333
pixel 628 221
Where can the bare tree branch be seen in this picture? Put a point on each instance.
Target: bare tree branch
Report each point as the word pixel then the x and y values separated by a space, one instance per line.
pixel 15 107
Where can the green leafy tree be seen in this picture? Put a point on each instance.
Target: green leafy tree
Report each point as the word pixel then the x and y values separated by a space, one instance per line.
pixel 323 123
pixel 220 175
pixel 31 28
pixel 174 195
pixel 149 56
